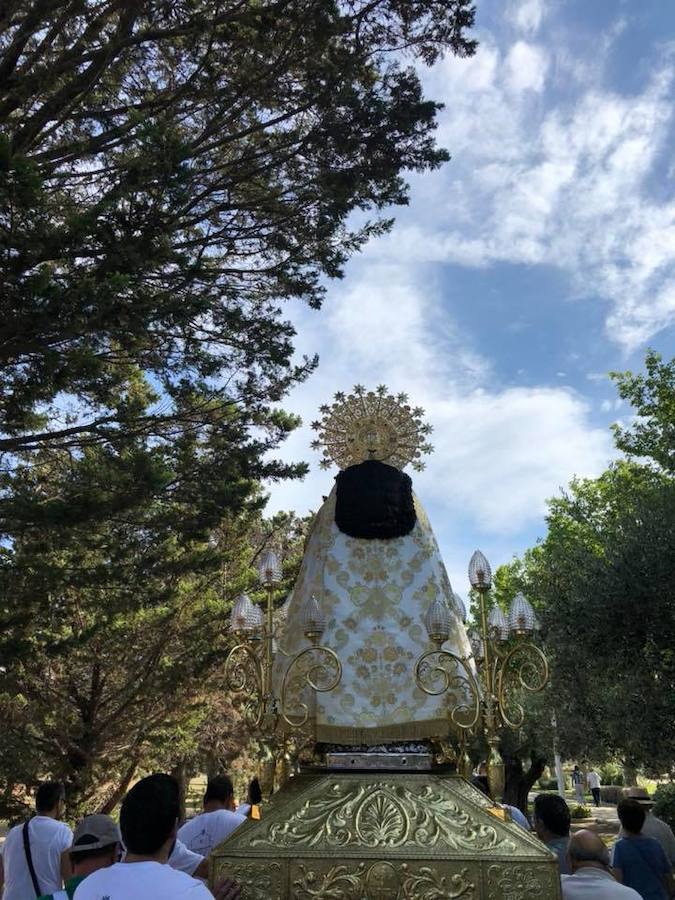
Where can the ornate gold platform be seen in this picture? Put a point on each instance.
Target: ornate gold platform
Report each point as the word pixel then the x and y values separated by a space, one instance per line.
pixel 385 836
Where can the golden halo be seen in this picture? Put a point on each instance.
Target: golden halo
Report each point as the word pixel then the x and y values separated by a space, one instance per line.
pixel 371 425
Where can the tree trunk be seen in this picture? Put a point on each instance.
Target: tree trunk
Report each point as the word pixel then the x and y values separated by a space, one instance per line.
pixel 180 773
pixel 629 775
pixel 519 782
pixel 121 789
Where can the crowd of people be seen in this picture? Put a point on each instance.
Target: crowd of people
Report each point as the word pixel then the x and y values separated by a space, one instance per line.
pixel 639 866
pixel 148 855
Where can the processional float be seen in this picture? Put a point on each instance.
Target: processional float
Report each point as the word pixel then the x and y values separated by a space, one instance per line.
pixel 370 666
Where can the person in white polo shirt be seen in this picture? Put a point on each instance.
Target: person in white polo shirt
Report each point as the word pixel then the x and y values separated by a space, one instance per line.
pixel 148 822
pixel 210 828
pixel 35 857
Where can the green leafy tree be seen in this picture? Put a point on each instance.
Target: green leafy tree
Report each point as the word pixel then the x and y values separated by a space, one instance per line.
pixel 602 581
pixel 114 629
pixel 169 173
pixel 652 395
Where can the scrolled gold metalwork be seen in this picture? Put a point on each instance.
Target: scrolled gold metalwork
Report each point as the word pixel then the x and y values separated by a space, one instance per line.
pixel 531 674
pixel 314 677
pixel 435 671
pixel 244 675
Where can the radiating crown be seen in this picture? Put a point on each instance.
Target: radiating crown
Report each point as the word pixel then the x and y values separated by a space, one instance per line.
pixel 371 425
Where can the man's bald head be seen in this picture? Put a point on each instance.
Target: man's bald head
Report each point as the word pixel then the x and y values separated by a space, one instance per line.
pixel 587 849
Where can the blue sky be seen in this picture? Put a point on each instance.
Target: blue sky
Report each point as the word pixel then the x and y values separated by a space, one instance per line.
pixel 539 258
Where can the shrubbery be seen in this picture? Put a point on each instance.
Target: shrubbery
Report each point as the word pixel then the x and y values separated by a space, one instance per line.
pixel 664 803
pixel 580 812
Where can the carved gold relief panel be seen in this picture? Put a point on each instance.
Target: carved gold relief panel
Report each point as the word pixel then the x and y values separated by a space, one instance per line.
pixel 519 881
pixel 384 816
pixel 258 879
pixel 383 880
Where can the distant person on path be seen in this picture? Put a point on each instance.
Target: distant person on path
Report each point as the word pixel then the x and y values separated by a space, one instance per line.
pixel 591 878
pixel 552 826
pixel 210 828
pixel 593 780
pixel 42 840
pixel 149 821
pixel 639 862
pixel 654 827
pixel 517 815
pixel 96 845
pixel 253 799
pixel 578 782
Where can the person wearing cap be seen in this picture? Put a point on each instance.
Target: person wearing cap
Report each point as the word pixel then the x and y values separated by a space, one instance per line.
pixel 149 822
pixel 591 878
pixel 96 844
pixel 653 827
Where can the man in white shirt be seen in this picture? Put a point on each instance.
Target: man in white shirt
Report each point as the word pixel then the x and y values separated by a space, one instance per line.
pixel 45 840
pixel 218 820
pixel 593 780
pixel 591 878
pixel 148 821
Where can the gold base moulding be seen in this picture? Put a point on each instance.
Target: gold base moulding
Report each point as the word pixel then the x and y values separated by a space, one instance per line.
pixel 384 836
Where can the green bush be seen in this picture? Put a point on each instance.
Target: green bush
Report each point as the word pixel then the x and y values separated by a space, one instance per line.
pixel 609 772
pixel 664 803
pixel 580 812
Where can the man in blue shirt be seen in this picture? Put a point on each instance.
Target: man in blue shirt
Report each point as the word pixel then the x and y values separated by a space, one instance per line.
pixel 639 861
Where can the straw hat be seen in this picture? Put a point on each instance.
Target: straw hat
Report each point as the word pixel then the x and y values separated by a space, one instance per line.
pixel 641 795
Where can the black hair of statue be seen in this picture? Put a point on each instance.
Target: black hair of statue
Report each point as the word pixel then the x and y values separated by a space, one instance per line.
pixel 374 501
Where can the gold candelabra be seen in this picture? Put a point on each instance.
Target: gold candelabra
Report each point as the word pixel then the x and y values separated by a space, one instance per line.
pixel 249 671
pixel 483 686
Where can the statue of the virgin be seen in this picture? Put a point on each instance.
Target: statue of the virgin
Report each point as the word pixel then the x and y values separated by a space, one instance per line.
pixel 373 565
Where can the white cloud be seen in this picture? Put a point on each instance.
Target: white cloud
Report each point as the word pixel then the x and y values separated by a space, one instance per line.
pixel 499 453
pixel 571 184
pixel 526 15
pixel 525 67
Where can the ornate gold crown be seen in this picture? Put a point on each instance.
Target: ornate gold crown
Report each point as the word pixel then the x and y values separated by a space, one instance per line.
pixel 371 425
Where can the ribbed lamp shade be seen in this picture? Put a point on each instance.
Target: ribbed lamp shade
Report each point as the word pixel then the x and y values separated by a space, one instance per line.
pixel 521 616
pixel 243 616
pixel 313 618
pixel 461 607
pixel 437 621
pixel 480 573
pixel 497 622
pixel 269 568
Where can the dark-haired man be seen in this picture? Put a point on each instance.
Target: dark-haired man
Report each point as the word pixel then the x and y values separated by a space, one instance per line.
pixel 210 828
pixel 96 845
pixel 552 826
pixel 41 845
pixel 639 861
pixel 149 821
